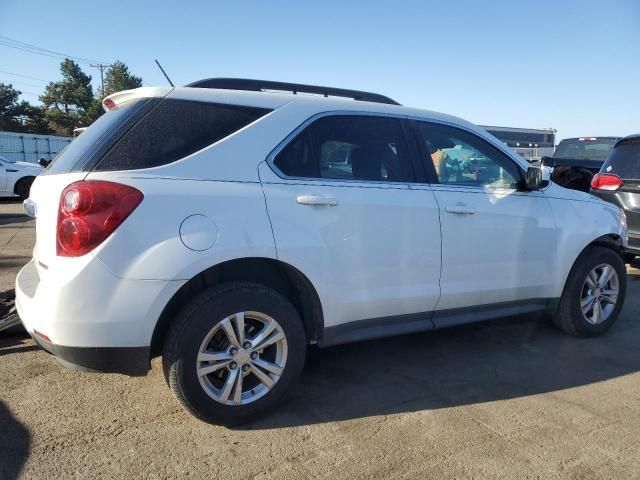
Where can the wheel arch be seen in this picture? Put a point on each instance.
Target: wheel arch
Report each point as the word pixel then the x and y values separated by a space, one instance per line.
pixel 609 240
pixel 280 276
pixel 20 180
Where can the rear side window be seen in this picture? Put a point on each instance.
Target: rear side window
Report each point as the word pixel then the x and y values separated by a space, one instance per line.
pixel 175 129
pixel 624 160
pixel 86 147
pixel 349 147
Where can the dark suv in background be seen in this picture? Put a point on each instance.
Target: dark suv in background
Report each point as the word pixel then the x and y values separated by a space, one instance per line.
pixel 619 182
pixel 577 160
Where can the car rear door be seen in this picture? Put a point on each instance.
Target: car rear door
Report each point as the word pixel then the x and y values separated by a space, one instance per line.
pixel 343 211
pixel 495 238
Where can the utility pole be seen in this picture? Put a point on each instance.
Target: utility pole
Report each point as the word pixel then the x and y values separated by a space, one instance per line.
pixel 101 67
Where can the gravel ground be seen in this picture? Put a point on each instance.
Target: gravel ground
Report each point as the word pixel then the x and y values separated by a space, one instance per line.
pixel 504 399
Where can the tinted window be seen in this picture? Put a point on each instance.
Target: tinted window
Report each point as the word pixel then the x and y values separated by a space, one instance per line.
pixel 462 158
pixel 173 130
pixel 624 160
pixel 349 147
pixel 574 148
pixel 77 152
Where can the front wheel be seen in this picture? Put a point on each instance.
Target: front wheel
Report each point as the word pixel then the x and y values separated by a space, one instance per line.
pixel 594 293
pixel 233 353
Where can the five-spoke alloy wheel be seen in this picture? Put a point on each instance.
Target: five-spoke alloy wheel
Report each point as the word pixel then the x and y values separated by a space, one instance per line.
pixel 600 294
pixel 233 352
pixel 593 294
pixel 242 358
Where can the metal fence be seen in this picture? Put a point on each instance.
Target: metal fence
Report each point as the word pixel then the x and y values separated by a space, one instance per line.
pixel 29 147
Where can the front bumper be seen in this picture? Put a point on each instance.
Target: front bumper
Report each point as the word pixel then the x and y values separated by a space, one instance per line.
pixel 89 318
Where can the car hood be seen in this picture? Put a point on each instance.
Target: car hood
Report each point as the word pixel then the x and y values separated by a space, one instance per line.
pixel 26 165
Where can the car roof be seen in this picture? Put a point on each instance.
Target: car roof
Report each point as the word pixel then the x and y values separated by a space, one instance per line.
pixel 313 103
pixel 274 100
pixel 632 136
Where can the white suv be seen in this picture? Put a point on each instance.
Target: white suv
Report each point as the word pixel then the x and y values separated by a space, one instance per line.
pixel 226 226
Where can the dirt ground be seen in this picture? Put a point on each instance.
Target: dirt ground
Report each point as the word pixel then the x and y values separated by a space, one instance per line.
pixel 504 399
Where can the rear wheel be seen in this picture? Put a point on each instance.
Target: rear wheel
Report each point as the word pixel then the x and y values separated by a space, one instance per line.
pixel 23 187
pixel 594 293
pixel 233 353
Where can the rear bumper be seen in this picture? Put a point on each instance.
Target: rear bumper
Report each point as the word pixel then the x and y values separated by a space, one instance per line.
pixel 89 318
pixel 634 244
pixel 132 361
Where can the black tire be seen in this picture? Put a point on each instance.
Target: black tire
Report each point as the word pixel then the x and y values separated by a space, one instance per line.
pixel 192 325
pixel 569 317
pixel 23 187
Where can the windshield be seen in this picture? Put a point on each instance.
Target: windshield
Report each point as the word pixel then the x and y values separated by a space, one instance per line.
pixel 624 160
pixel 586 149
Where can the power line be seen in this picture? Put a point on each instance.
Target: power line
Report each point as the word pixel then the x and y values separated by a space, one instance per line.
pixel 28 47
pixel 25 76
pixel 11 82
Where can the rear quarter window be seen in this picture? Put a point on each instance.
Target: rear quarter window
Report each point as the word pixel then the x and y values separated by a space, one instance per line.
pixel 624 160
pixel 175 129
pixel 87 148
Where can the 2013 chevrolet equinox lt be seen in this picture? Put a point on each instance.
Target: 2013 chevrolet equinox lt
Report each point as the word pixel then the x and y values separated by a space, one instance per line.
pixel 226 226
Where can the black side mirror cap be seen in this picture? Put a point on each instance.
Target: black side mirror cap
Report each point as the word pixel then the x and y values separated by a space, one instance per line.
pixel 533 178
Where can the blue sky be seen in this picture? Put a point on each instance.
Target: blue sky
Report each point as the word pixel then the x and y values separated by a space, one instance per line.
pixel 571 65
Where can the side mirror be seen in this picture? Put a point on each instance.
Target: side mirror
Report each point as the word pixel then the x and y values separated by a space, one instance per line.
pixel 533 178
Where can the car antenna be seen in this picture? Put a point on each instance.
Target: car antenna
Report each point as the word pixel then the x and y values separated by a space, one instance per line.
pixel 164 73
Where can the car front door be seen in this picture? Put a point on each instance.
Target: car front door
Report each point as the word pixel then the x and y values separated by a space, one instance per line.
pixel 496 238
pixel 342 211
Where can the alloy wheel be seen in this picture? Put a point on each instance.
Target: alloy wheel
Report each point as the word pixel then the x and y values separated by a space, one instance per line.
pixel 242 358
pixel 599 294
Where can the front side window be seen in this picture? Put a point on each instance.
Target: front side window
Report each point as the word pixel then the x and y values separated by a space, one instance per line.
pixel 461 158
pixel 349 147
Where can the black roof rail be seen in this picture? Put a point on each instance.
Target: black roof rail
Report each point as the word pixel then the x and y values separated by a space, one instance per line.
pixel 261 85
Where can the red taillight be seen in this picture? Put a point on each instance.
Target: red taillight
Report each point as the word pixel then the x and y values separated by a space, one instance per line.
pixel 606 181
pixel 90 211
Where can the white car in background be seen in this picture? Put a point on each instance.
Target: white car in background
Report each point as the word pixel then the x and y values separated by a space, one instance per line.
pixel 225 227
pixel 16 177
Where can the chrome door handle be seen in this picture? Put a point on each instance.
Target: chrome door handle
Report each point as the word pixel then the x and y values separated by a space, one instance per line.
pixel 461 210
pixel 317 200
